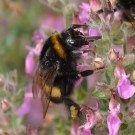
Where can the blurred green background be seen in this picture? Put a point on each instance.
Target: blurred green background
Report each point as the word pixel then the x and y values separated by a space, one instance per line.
pixel 18 21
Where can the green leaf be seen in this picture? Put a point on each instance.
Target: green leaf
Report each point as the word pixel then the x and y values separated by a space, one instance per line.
pixel 80 94
pixel 125 47
pixel 107 77
pixel 104 105
pixel 84 85
pixel 101 94
pixel 123 126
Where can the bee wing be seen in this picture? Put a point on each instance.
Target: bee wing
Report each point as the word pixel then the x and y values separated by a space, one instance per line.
pixel 42 83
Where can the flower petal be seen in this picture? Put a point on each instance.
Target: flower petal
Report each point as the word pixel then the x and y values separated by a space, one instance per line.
pixel 125 89
pixel 113 123
pixel 26 106
pixel 30 63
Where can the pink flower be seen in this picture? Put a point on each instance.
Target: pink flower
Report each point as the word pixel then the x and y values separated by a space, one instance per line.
pixel 86 132
pixel 95 5
pixel 125 88
pixel 113 120
pixel 32 108
pixel 113 123
pixel 119 49
pixel 30 62
pixel 38 36
pixel 53 23
pixel 38 47
pixel 119 71
pixel 85 16
pixel 92 118
pixel 25 107
pixel 94 31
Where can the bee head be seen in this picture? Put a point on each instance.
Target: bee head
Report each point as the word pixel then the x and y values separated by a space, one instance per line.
pixel 73 39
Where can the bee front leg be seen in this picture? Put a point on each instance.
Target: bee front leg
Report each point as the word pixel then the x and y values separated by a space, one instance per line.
pixel 75 26
pixel 78 53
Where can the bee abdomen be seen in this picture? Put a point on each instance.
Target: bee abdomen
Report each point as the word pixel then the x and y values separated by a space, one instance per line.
pixel 56 96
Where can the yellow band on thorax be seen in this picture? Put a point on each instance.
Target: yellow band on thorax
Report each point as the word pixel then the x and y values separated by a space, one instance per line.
pixel 57 45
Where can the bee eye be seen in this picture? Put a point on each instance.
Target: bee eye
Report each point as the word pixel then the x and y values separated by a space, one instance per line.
pixel 70 41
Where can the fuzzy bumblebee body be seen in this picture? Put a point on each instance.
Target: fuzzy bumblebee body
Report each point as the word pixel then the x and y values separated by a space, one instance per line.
pixel 57 70
pixel 127 9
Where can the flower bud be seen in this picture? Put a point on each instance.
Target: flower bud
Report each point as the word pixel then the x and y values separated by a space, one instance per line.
pixel 4 105
pixel 113 55
pixel 98 63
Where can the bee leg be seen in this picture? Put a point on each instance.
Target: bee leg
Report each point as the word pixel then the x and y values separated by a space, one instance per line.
pixel 72 107
pixel 75 26
pixel 78 53
pixel 108 11
pixel 93 38
pixel 86 73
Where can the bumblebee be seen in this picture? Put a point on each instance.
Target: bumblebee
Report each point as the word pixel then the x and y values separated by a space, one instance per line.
pixel 57 69
pixel 125 7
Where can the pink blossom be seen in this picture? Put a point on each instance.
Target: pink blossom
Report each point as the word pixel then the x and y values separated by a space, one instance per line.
pixel 24 109
pixel 119 49
pixel 30 63
pixel 94 31
pixel 53 22
pixel 113 123
pixel 84 16
pixel 92 118
pixel 119 71
pixel 125 88
pixel 95 5
pixel 31 108
pixel 86 132
pixel 38 36
pixel 113 120
pixel 38 47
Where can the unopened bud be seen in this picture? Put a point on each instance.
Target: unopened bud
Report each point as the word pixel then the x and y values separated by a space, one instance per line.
pixel 98 63
pixel 4 105
pixel 113 55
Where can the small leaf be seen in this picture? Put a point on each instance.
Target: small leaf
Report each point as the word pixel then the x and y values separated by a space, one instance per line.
pixel 107 77
pixel 123 126
pixel 120 115
pixel 101 94
pixel 84 85
pixel 80 94
pixel 104 105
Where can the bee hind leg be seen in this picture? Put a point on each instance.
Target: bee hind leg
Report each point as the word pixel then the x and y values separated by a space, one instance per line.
pixel 73 108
